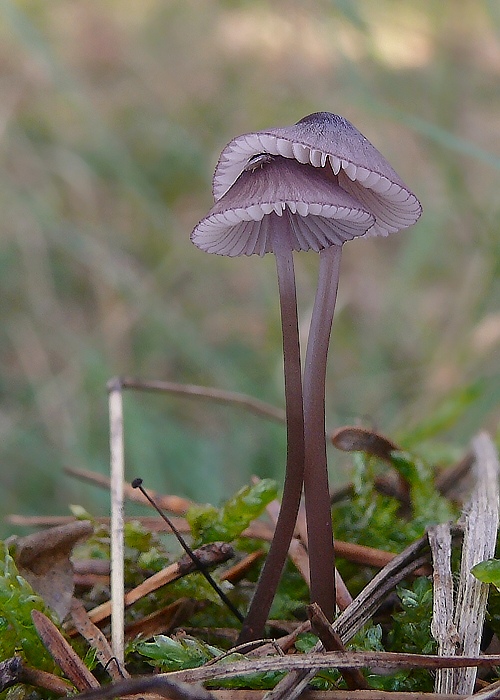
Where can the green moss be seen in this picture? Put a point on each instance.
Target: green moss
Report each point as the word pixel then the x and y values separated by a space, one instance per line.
pixel 17 631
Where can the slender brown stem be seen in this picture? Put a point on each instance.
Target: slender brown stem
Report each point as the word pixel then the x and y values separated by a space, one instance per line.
pixel 292 489
pixel 317 496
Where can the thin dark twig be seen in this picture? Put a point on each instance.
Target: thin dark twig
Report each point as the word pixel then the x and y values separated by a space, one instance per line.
pixel 240 649
pixel 332 642
pixel 253 405
pixel 149 684
pixel 137 484
pixel 313 662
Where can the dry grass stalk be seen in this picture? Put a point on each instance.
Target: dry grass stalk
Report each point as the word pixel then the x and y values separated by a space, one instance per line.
pixel 442 626
pixel 178 684
pixel 457 626
pixel 340 695
pixel 117 521
pixel 315 661
pixel 316 695
pixel 480 535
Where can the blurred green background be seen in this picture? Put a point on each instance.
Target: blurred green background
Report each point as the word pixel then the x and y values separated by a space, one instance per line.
pixel 112 116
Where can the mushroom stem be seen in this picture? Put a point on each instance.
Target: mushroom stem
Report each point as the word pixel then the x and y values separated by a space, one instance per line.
pixel 292 490
pixel 317 497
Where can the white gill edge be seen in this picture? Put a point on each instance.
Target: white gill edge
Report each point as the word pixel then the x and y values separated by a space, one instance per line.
pixel 232 217
pixel 230 167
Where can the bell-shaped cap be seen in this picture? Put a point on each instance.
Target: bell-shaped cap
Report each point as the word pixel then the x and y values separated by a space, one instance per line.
pixel 320 179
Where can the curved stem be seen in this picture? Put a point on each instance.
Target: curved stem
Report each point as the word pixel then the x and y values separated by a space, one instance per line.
pixel 292 489
pixel 317 496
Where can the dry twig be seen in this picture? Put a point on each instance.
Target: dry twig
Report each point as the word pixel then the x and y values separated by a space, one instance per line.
pixel 359 612
pixel 332 642
pixel 210 555
pixel 442 626
pixel 97 641
pixel 480 534
pixel 14 671
pixel 251 404
pixel 315 661
pixel 371 694
pixel 164 620
pixel 174 504
pixel 142 685
pixel 62 653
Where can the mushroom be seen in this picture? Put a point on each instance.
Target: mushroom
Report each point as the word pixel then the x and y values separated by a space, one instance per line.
pixel 310 186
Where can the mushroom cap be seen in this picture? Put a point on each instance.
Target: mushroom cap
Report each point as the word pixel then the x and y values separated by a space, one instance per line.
pixel 320 179
pixel 284 198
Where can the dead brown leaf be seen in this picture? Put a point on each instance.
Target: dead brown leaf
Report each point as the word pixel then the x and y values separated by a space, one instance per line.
pixel 43 559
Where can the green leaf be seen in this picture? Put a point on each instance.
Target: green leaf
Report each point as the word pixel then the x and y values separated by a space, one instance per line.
pixel 210 524
pixel 488 572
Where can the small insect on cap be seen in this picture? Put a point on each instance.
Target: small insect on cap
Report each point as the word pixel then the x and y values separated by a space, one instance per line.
pixel 319 182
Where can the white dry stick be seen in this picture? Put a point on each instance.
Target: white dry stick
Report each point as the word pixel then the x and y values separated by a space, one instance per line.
pixel 442 626
pixel 117 520
pixel 480 536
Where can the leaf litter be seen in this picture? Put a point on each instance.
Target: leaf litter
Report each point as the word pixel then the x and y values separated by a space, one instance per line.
pixel 389 638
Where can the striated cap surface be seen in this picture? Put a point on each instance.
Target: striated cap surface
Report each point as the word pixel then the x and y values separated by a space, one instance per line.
pixel 320 182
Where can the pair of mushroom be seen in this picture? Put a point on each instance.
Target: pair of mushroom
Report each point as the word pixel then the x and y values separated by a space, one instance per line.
pixel 310 186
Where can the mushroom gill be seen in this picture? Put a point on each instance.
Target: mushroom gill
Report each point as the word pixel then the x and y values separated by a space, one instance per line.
pixel 282 194
pixel 330 142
